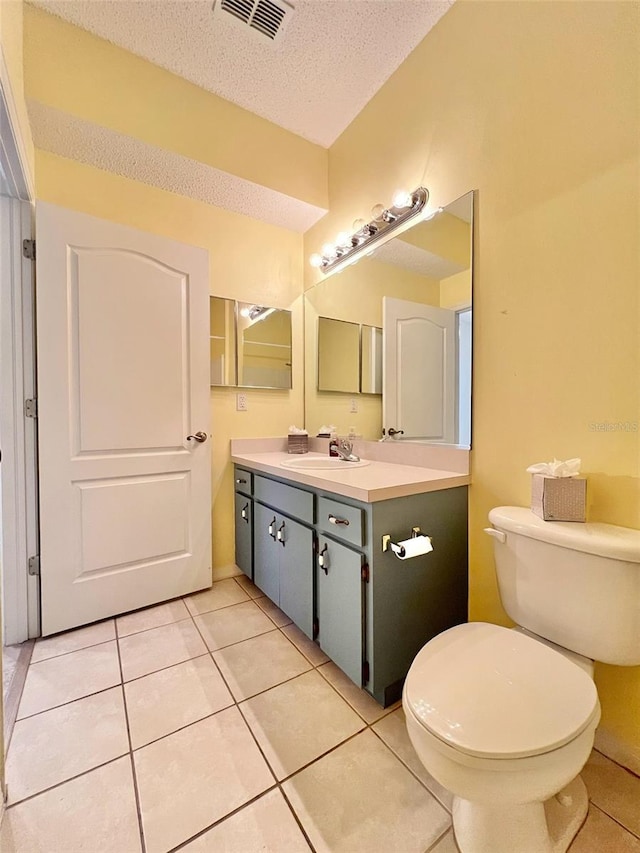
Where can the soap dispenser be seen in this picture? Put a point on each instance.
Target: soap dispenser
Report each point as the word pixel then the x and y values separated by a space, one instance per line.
pixel 333 442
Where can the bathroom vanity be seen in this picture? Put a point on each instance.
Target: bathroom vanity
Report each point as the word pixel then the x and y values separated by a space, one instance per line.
pixel 312 541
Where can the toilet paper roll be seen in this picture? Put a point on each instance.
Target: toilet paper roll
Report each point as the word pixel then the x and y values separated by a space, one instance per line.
pixel 413 547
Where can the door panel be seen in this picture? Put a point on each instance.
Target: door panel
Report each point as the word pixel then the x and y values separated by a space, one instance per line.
pixel 296 575
pixel 244 534
pixel 339 607
pixel 419 395
pixel 123 369
pixel 265 554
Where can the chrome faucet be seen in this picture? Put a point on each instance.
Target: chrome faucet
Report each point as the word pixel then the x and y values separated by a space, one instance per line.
pixel 344 450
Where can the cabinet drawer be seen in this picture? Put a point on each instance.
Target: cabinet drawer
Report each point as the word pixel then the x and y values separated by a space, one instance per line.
pixel 243 481
pixel 341 520
pixel 287 499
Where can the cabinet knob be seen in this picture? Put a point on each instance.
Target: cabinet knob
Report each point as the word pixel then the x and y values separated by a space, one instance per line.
pixel 272 529
pixel 281 534
pixel 241 481
pixel 323 559
pixel 335 520
pixel 244 512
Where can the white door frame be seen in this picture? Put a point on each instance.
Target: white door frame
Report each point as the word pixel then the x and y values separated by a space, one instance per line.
pixel 20 591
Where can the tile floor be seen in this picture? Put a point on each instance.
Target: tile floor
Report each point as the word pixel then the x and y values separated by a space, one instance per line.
pixel 212 724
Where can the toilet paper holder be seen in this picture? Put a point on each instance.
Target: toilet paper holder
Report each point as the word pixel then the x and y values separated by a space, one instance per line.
pixel 387 543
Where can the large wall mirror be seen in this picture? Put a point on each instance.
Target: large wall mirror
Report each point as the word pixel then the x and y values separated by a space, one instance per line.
pixel 250 345
pixel 417 289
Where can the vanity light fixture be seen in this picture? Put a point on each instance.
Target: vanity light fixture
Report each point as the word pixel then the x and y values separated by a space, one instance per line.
pixel 349 247
pixel 256 312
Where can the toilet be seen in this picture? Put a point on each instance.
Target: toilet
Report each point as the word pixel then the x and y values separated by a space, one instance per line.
pixel 505 718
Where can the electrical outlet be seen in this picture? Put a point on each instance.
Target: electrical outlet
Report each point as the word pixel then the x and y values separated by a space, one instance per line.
pixel 241 403
pixel 353 407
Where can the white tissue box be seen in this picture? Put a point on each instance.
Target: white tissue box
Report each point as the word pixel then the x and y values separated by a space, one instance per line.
pixel 559 498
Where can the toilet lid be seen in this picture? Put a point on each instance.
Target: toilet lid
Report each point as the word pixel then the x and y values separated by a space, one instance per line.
pixel 492 692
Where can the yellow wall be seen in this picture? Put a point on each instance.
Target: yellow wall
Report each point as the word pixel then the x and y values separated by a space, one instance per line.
pixel 536 105
pixel 11 28
pixel 455 290
pixel 77 72
pixel 243 255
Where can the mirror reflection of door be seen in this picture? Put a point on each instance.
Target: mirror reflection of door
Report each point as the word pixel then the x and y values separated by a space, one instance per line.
pixel 371 360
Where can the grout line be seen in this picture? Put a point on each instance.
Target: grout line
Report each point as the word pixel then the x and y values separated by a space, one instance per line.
pixel 13 697
pixel 614 819
pixel 69 701
pixel 136 791
pixel 73 651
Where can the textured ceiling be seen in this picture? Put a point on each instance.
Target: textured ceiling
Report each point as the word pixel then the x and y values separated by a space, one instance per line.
pixel 399 253
pixel 69 136
pixel 332 58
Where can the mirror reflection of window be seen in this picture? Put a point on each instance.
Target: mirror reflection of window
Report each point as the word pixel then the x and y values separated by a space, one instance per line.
pixel 338 356
pixel 222 341
pixel 264 351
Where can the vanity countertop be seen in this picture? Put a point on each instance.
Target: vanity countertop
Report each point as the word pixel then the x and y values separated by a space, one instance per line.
pixel 378 481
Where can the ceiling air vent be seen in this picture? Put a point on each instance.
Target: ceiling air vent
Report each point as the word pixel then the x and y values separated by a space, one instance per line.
pixel 267 17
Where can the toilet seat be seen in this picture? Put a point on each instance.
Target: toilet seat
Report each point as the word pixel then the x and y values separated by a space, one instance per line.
pixel 490 692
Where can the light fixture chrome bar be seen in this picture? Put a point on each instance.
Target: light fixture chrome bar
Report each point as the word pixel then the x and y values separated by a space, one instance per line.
pixel 374 232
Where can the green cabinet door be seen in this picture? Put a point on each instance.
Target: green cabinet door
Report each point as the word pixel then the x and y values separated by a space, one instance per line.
pixel 244 534
pixel 295 544
pixel 265 551
pixel 339 593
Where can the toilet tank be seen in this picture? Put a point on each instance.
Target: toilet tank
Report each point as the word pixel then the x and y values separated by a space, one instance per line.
pixel 577 585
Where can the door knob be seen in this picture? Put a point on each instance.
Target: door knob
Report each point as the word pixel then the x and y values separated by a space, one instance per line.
pixel 199 436
pixel 393 431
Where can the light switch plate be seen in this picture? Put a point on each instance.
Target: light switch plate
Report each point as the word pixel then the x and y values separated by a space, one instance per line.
pixel 353 407
pixel 241 403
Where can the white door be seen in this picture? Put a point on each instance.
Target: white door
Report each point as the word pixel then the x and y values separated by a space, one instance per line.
pixel 419 376
pixel 123 380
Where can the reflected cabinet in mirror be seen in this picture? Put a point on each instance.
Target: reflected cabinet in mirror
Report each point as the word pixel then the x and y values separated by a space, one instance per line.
pixel 250 345
pixel 417 288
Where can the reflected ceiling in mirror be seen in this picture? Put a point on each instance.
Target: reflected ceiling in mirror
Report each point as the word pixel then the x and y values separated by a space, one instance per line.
pixel 426 347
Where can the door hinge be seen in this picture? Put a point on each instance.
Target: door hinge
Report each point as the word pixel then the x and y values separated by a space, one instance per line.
pixel 365 572
pixel 29 249
pixel 34 565
pixel 316 628
pixel 365 672
pixel 31 408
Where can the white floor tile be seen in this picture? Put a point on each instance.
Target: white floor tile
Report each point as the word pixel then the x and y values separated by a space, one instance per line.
pixel 56 745
pixel 95 813
pixel 614 790
pixel 361 799
pixel 222 594
pixel 309 649
pixel 71 641
pixel 277 616
pixel 601 834
pixel 298 721
pixel 165 701
pixel 359 699
pixel 196 776
pixel 160 647
pixel 67 677
pixel 257 664
pixel 249 587
pixel 393 731
pixel 152 617
pixel 233 624
pixel 266 826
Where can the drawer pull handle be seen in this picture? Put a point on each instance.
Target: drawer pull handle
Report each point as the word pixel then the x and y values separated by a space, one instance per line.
pixel 281 534
pixel 240 481
pixel 244 513
pixel 335 520
pixel 323 560
pixel 272 529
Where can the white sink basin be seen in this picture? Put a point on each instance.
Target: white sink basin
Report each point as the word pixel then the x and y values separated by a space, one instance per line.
pixel 326 463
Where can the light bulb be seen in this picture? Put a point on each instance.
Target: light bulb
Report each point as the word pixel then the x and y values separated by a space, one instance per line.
pixel 245 312
pixel 377 210
pixel 315 260
pixel 402 199
pixel 343 239
pixel 358 224
pixel 329 250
